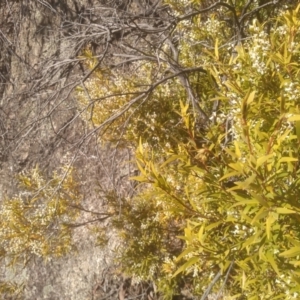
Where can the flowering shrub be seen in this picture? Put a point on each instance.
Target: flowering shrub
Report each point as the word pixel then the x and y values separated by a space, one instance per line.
pixel 233 188
pixel 35 222
pixel 108 92
pixel 211 106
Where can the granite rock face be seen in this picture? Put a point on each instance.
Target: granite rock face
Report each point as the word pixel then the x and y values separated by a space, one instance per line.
pixel 39 125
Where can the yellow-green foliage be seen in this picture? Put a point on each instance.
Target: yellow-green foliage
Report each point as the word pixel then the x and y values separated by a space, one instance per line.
pixel 254 223
pixel 11 290
pixel 35 222
pixel 109 91
pixel 233 189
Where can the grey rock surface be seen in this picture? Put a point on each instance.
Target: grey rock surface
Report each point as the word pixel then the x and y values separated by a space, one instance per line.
pixel 39 125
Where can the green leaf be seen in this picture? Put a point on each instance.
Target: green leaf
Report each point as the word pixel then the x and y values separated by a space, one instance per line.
pixel 287 159
pixel 243 184
pixel 231 174
pixel 184 253
pixel 291 252
pixel 297 126
pixel 184 108
pixel 139 178
pixel 269 221
pixel 185 266
pixel 285 211
pixel 213 225
pixel 142 170
pixel 252 202
pixel 292 240
pixel 191 201
pixel 201 233
pixel 250 98
pixel 171 159
pixel 244 279
pixel 250 241
pixel 294 118
pixel 232 86
pixel 262 160
pixel 237 150
pixel 232 154
pixel 140 147
pixel 295 263
pixel 217 49
pixel 261 199
pixel 282 103
pixel 262 213
pixel 188 234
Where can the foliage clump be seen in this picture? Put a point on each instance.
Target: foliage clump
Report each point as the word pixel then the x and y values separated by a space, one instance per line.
pixel 35 221
pixel 108 100
pixel 231 187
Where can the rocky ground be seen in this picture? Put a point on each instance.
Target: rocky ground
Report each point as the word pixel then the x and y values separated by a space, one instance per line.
pixel 39 125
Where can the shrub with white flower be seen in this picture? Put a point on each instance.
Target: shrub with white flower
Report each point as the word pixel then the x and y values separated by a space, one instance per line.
pixel 232 189
pixel 35 223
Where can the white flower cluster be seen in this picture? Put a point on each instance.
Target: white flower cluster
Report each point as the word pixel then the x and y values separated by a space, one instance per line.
pixel 291 91
pixel 135 280
pixel 213 27
pixel 282 30
pixel 260 49
pixel 284 281
pixel 242 229
pixel 153 269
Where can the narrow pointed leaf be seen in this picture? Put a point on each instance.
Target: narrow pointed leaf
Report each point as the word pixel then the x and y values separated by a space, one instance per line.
pixel 295 251
pixel 185 266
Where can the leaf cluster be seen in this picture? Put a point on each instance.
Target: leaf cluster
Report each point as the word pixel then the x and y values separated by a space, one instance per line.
pixel 233 187
pixel 35 221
